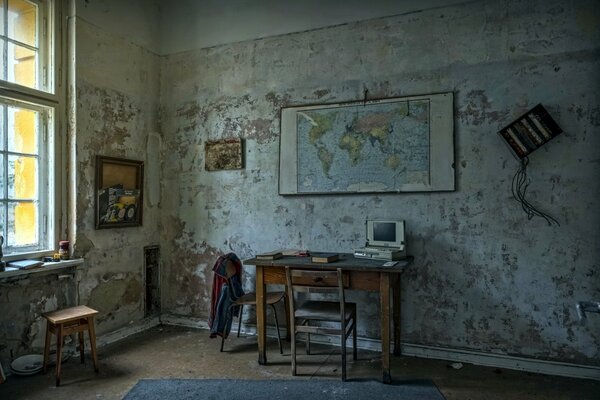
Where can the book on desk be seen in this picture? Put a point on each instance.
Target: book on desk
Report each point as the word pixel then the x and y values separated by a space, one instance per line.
pixel 325 257
pixel 272 255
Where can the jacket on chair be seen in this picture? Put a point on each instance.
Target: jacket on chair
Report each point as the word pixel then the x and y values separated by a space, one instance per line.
pixel 227 287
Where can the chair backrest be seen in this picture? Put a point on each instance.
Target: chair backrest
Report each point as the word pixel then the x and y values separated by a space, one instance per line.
pixel 316 280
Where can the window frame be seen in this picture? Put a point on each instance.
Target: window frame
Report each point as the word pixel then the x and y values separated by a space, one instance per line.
pixel 52 45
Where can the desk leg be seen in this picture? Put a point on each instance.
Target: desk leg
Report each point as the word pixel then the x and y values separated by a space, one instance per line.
pixel 261 312
pixel 384 297
pixel 396 309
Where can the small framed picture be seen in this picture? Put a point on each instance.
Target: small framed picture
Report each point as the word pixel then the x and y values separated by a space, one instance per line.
pixel 119 192
pixel 224 154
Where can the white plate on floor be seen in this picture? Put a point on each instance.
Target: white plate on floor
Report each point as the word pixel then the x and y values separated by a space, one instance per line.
pixel 28 365
pixel 31 364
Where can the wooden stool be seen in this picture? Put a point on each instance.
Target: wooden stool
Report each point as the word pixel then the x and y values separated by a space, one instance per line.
pixel 64 323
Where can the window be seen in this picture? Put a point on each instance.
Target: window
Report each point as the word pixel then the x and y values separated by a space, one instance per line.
pixel 29 114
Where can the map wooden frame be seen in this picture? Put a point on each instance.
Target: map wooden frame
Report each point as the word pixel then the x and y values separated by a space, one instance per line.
pixel 441 146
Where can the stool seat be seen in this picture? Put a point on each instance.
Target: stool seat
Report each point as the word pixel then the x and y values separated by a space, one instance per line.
pixel 69 314
pixel 66 322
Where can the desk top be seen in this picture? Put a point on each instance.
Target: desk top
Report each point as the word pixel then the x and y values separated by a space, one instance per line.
pixel 347 261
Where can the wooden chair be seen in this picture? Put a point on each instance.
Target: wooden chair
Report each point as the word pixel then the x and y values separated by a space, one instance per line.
pixel 67 322
pixel 319 311
pixel 250 299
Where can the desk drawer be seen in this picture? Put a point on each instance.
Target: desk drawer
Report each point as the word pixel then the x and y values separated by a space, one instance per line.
pixel 357 280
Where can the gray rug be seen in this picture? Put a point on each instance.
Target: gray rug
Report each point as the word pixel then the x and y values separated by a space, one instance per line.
pixel 314 389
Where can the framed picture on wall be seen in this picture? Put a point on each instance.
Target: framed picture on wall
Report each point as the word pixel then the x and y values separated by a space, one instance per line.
pixel 119 192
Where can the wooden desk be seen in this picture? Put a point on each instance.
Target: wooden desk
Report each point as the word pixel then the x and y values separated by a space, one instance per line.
pixel 368 275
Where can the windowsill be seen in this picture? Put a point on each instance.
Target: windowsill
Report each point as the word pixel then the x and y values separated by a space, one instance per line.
pixel 45 268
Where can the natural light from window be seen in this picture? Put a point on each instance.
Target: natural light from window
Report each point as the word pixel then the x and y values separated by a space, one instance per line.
pixel 27 126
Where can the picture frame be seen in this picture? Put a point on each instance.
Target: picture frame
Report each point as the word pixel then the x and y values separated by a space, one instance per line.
pixel 224 154
pixel 389 145
pixel 119 192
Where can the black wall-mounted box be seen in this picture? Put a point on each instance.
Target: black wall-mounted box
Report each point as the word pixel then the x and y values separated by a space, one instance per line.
pixel 530 131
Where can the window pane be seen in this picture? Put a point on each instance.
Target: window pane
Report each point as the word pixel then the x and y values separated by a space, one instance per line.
pixel 22 65
pixel 22 21
pixel 2 61
pixel 22 130
pixel 23 177
pixel 2 178
pixel 2 128
pixel 2 220
pixel 22 224
pixel 2 18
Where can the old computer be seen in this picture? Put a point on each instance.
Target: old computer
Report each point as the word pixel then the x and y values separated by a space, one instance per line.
pixel 385 240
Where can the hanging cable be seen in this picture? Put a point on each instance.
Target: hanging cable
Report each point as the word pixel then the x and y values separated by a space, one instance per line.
pixel 520 183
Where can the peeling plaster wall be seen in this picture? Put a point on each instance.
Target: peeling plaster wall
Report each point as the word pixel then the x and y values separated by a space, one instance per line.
pixel 23 300
pixel 117 111
pixel 484 278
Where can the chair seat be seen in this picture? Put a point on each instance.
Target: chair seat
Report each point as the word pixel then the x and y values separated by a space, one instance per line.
pixel 250 298
pixel 324 310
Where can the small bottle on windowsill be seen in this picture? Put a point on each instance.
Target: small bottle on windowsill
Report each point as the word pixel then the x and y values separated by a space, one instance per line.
pixel 63 249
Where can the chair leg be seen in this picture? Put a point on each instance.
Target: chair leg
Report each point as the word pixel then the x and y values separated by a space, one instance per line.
pixel 228 317
pixel 354 356
pixel 293 346
pixel 240 314
pixel 287 317
pixel 343 337
pixel 277 327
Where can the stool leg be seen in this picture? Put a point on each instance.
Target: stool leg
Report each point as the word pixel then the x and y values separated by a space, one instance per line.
pixel 47 346
pixel 80 334
pixel 59 346
pixel 277 326
pixel 92 334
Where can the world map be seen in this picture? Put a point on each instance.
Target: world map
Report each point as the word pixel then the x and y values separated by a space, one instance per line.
pixel 362 148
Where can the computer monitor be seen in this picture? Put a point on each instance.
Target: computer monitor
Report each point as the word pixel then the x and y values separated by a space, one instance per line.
pixel 385 233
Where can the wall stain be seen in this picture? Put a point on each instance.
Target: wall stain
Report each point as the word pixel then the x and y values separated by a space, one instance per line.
pixel 477 110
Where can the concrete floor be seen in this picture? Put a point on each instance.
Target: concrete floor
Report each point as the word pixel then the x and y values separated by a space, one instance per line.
pixel 176 352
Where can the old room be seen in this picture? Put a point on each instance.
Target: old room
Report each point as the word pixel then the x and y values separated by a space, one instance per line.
pixel 162 160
